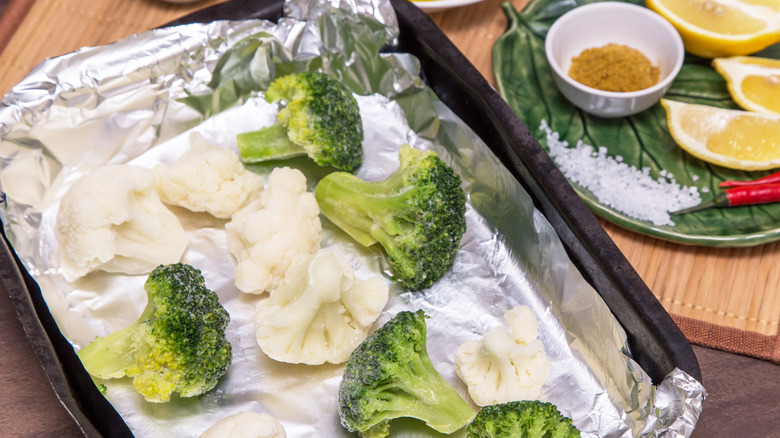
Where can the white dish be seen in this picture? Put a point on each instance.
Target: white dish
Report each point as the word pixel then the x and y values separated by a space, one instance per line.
pixel 440 5
pixel 598 24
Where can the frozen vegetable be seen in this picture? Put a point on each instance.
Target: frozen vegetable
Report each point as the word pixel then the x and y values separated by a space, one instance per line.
pixel 178 343
pixel 207 178
pixel 389 375
pixel 521 419
pixel 417 214
pixel 508 363
pixel 246 424
pixel 265 236
pixel 320 313
pixel 319 117
pixel 112 219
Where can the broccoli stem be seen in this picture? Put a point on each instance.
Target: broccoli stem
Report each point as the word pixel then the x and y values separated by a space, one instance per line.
pixel 269 143
pixel 363 205
pixel 110 356
pixel 339 193
pixel 422 393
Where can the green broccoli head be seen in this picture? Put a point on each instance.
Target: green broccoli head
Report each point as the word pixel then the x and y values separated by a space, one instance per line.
pixel 417 214
pixel 320 118
pixel 178 344
pixel 390 375
pixel 521 419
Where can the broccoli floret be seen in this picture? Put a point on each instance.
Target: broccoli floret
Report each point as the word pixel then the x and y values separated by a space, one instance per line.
pixel 521 419
pixel 389 375
pixel 178 343
pixel 319 118
pixel 417 214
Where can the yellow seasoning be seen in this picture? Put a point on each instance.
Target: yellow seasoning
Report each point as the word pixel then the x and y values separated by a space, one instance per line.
pixel 614 67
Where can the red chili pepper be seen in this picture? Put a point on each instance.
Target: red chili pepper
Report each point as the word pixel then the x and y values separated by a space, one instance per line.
pixel 769 179
pixel 746 195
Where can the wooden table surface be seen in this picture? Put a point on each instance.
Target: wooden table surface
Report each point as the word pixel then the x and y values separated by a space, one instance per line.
pixel 733 286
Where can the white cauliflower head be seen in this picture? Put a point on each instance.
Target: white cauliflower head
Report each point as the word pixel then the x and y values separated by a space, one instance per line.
pixel 111 219
pixel 246 424
pixel 265 236
pixel 207 178
pixel 320 313
pixel 508 364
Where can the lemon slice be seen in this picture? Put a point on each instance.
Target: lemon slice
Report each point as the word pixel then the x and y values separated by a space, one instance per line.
pixel 735 139
pixel 771 4
pixel 754 83
pixel 719 28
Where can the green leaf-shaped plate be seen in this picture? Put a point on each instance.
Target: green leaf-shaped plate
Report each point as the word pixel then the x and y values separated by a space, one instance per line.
pixel 524 79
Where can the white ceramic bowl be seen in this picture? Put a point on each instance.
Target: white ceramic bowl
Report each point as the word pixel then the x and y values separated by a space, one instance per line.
pixel 598 24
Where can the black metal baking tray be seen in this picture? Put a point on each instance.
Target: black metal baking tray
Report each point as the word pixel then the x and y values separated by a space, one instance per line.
pixel 655 341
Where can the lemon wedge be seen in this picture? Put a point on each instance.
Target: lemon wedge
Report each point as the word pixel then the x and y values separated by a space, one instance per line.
pixel 771 4
pixel 720 28
pixel 735 139
pixel 754 83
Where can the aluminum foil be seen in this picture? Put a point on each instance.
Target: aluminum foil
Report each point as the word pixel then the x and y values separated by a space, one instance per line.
pixel 139 101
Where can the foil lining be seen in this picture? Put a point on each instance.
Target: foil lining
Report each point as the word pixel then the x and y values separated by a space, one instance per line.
pixel 127 102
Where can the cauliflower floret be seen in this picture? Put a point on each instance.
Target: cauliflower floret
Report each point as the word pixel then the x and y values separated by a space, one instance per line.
pixel 113 220
pixel 320 313
pixel 266 235
pixel 508 364
pixel 207 178
pixel 246 425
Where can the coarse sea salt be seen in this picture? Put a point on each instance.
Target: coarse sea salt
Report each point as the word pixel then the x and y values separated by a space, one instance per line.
pixel 625 188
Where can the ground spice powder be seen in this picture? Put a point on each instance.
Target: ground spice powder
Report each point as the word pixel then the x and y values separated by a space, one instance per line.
pixel 614 67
